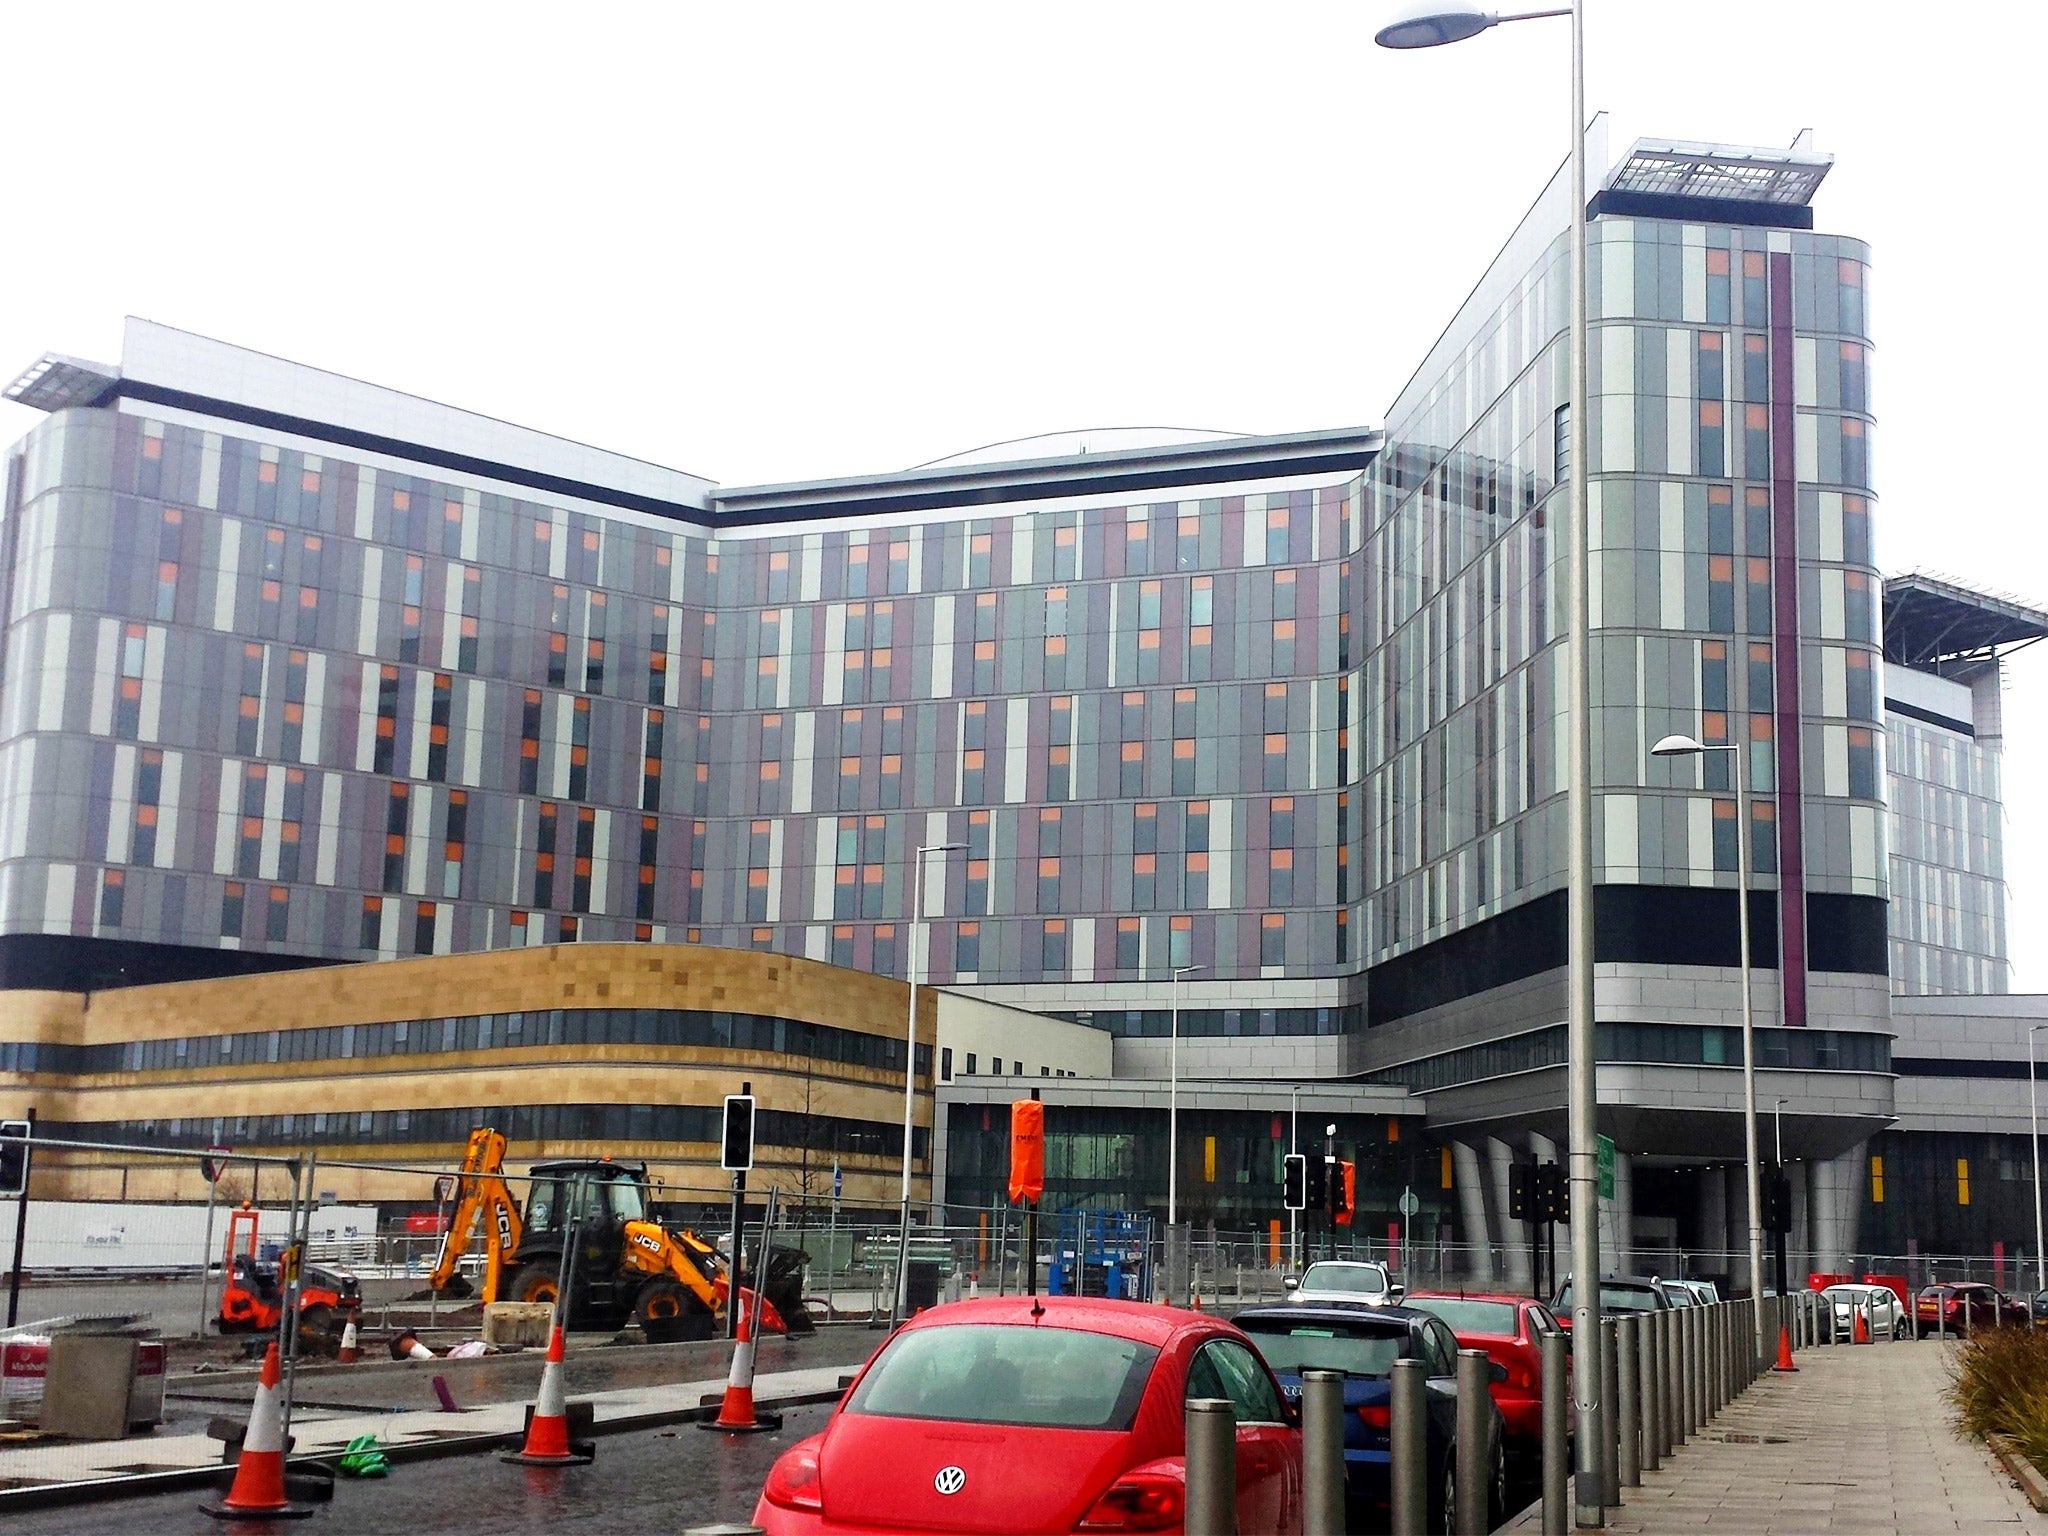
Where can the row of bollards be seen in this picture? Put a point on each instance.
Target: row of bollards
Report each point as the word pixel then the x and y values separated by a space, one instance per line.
pixel 1667 1375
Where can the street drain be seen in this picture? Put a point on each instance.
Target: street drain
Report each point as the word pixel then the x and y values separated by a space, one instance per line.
pixel 1738 1437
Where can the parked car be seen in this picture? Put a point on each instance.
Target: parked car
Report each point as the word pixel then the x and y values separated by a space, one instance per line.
pixel 1510 1329
pixel 1618 1293
pixel 1053 1413
pixel 1364 1343
pixel 1362 1280
pixel 1701 1291
pixel 1879 1304
pixel 2038 1307
pixel 1962 1305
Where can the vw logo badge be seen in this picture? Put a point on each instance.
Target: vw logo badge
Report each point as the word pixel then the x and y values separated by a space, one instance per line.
pixel 950 1480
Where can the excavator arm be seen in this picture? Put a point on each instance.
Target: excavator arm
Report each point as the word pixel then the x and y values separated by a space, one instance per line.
pixel 481 1195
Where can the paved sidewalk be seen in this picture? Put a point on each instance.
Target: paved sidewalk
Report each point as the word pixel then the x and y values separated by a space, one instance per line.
pixel 1860 1439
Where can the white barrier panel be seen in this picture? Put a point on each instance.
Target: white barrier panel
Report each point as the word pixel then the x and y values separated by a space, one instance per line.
pixel 109 1235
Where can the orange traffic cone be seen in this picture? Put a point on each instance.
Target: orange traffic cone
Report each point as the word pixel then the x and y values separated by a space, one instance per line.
pixel 1784 1350
pixel 258 1491
pixel 736 1413
pixel 1859 1329
pixel 349 1353
pixel 547 1432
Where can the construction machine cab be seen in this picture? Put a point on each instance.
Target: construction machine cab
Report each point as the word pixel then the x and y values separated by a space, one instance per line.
pixel 583 1204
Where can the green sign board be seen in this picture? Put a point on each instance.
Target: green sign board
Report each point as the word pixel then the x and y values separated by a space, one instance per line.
pixel 1603 1160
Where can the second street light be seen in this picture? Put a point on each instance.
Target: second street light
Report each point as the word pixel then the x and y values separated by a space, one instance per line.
pixel 901 1304
pixel 1685 746
pixel 1429 24
pixel 1173 1099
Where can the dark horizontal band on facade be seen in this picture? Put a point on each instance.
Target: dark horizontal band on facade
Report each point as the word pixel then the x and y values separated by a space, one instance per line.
pixel 705 1029
pixel 524 1124
pixel 1929 717
pixel 1632 925
pixel 1653 1045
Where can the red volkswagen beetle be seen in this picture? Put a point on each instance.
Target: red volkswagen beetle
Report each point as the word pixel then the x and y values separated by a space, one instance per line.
pixel 1049 1413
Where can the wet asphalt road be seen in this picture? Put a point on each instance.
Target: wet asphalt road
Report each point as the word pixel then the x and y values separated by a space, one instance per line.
pixel 643 1483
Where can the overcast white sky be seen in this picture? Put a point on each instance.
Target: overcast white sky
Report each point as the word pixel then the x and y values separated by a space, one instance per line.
pixel 780 241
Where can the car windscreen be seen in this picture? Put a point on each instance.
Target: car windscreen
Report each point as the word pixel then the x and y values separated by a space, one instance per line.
pixel 1616 1298
pixel 1464 1316
pixel 999 1373
pixel 1295 1345
pixel 1364 1279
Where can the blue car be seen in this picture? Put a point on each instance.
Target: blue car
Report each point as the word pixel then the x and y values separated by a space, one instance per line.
pixel 1364 1342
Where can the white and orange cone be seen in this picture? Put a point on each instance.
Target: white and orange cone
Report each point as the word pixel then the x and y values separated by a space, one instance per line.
pixel 349 1352
pixel 547 1432
pixel 736 1413
pixel 258 1491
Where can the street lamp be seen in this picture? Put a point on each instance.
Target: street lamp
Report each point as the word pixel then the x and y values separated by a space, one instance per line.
pixel 1685 746
pixel 902 1299
pixel 2034 1114
pixel 1428 24
pixel 1173 1099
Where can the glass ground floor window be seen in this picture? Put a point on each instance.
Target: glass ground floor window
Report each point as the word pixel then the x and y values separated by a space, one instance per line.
pixel 1102 1158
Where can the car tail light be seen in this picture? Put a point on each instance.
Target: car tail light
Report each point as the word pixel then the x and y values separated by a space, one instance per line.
pixel 793 1480
pixel 1376 1415
pixel 1138 1501
pixel 1520 1377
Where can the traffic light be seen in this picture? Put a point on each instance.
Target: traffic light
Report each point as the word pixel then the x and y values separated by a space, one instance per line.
pixel 1518 1192
pixel 14 1136
pixel 1550 1194
pixel 1294 1182
pixel 1318 1184
pixel 1342 1190
pixel 1776 1193
pixel 738 1141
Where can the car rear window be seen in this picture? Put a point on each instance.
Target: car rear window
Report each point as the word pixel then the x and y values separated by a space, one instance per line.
pixel 1359 1349
pixel 1000 1373
pixel 1616 1298
pixel 1469 1316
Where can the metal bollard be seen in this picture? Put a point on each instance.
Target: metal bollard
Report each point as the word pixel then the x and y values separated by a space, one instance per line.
pixel 1407 1448
pixel 1610 1420
pixel 1475 1414
pixel 1675 1388
pixel 1628 1398
pixel 1698 1377
pixel 1211 1467
pixel 1557 1417
pixel 1322 1453
pixel 1652 1391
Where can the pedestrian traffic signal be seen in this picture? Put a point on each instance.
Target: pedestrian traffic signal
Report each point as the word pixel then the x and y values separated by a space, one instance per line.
pixel 1294 1182
pixel 1518 1192
pixel 14 1136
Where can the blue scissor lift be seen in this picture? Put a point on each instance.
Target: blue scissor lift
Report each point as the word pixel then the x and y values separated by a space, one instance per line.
pixel 1100 1253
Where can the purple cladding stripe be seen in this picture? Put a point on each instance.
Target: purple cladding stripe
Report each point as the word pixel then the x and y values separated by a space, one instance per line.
pixel 1785 652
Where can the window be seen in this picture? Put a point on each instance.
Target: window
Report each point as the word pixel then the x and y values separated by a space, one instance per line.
pixel 1225 1368
pixel 1273 939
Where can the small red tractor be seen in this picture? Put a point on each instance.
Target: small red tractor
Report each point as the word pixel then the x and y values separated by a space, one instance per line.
pixel 253 1287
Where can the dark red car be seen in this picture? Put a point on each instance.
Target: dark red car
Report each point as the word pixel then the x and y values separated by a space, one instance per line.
pixel 1959 1307
pixel 1054 1413
pixel 1510 1329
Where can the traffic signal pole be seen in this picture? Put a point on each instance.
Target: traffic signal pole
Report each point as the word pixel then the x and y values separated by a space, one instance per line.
pixel 20 1223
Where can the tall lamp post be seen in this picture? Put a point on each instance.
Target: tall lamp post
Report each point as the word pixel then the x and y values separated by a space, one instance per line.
pixel 1173 1100
pixel 1430 24
pixel 901 1303
pixel 2034 1115
pixel 1686 746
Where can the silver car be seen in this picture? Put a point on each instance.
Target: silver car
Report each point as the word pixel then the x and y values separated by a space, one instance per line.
pixel 1883 1313
pixel 1361 1280
pixel 1701 1291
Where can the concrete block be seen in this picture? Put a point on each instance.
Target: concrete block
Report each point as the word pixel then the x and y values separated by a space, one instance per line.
pixel 85 1395
pixel 518 1322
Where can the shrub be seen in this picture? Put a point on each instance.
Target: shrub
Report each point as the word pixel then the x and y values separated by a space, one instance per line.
pixel 2001 1387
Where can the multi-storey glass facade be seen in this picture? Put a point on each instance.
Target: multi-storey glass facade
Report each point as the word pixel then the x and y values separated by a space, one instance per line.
pixel 296 669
